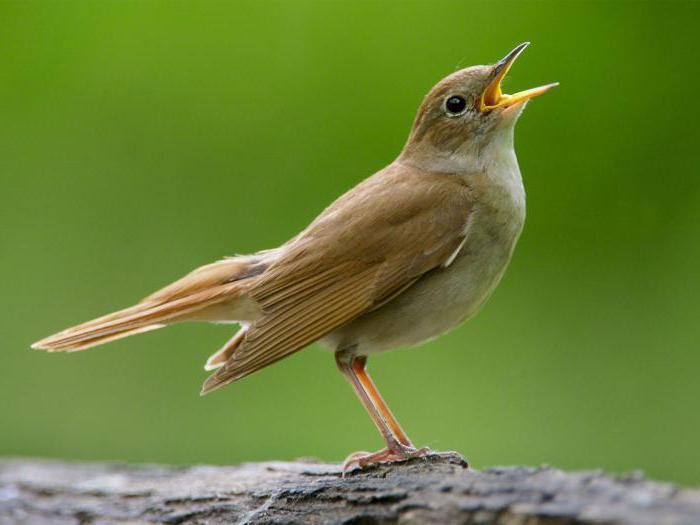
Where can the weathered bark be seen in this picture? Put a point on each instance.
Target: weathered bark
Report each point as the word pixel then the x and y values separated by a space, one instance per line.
pixel 439 489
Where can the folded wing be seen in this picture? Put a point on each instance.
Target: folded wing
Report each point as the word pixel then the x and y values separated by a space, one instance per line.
pixel 356 255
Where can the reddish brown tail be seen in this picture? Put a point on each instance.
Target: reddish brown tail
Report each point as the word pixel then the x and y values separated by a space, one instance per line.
pixel 142 317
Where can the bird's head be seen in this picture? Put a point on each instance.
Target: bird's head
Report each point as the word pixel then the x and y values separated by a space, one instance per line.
pixel 464 113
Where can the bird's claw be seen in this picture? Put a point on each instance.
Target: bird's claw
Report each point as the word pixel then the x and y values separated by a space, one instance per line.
pixel 362 460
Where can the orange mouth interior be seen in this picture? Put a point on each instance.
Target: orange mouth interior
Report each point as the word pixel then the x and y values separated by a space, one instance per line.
pixel 493 97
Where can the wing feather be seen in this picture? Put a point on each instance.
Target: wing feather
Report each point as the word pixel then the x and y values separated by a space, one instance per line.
pixel 358 254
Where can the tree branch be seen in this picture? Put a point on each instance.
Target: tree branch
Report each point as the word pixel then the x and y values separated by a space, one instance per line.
pixel 439 489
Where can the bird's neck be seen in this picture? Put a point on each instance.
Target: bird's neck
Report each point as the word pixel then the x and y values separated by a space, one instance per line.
pixel 494 154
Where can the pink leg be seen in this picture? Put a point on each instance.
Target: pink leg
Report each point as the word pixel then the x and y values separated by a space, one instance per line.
pixel 398 446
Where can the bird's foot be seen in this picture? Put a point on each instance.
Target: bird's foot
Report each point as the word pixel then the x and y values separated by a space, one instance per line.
pixel 362 460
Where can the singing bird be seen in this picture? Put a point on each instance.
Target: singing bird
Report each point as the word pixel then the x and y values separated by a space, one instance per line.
pixel 406 255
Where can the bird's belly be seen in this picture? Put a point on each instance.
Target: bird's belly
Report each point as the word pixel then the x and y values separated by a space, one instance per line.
pixel 441 300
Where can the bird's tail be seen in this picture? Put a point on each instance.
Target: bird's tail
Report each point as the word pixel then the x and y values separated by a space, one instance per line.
pixel 136 319
pixel 214 292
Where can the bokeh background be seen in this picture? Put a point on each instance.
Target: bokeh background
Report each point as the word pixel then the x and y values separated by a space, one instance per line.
pixel 142 139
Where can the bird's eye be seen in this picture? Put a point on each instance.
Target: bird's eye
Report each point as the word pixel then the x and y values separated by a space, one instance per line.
pixel 455 105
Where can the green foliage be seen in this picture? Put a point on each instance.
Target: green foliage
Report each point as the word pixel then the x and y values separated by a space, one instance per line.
pixel 142 139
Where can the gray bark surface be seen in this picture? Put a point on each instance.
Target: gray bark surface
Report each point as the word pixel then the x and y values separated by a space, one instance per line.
pixel 439 489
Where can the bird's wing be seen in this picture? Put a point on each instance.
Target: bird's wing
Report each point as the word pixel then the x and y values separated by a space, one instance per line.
pixel 368 246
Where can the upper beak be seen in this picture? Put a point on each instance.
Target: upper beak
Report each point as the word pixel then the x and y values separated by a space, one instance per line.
pixel 493 97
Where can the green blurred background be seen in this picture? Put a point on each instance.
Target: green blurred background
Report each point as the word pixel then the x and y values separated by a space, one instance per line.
pixel 142 139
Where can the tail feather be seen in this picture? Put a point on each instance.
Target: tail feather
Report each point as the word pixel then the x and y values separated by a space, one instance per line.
pixel 139 318
pixel 97 340
pixel 214 292
pixel 218 359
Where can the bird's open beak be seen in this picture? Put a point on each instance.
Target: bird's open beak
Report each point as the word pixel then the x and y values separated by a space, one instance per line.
pixel 492 96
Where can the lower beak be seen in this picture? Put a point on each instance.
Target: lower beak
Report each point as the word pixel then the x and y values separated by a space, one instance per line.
pixel 493 97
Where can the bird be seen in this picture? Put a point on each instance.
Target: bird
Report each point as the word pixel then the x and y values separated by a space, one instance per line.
pixel 406 255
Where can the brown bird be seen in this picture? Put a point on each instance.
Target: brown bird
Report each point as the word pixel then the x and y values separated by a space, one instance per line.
pixel 404 256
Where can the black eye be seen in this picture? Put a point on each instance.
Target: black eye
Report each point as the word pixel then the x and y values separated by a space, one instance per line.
pixel 455 105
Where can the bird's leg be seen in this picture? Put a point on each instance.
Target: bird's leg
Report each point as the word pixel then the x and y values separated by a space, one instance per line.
pixel 398 446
